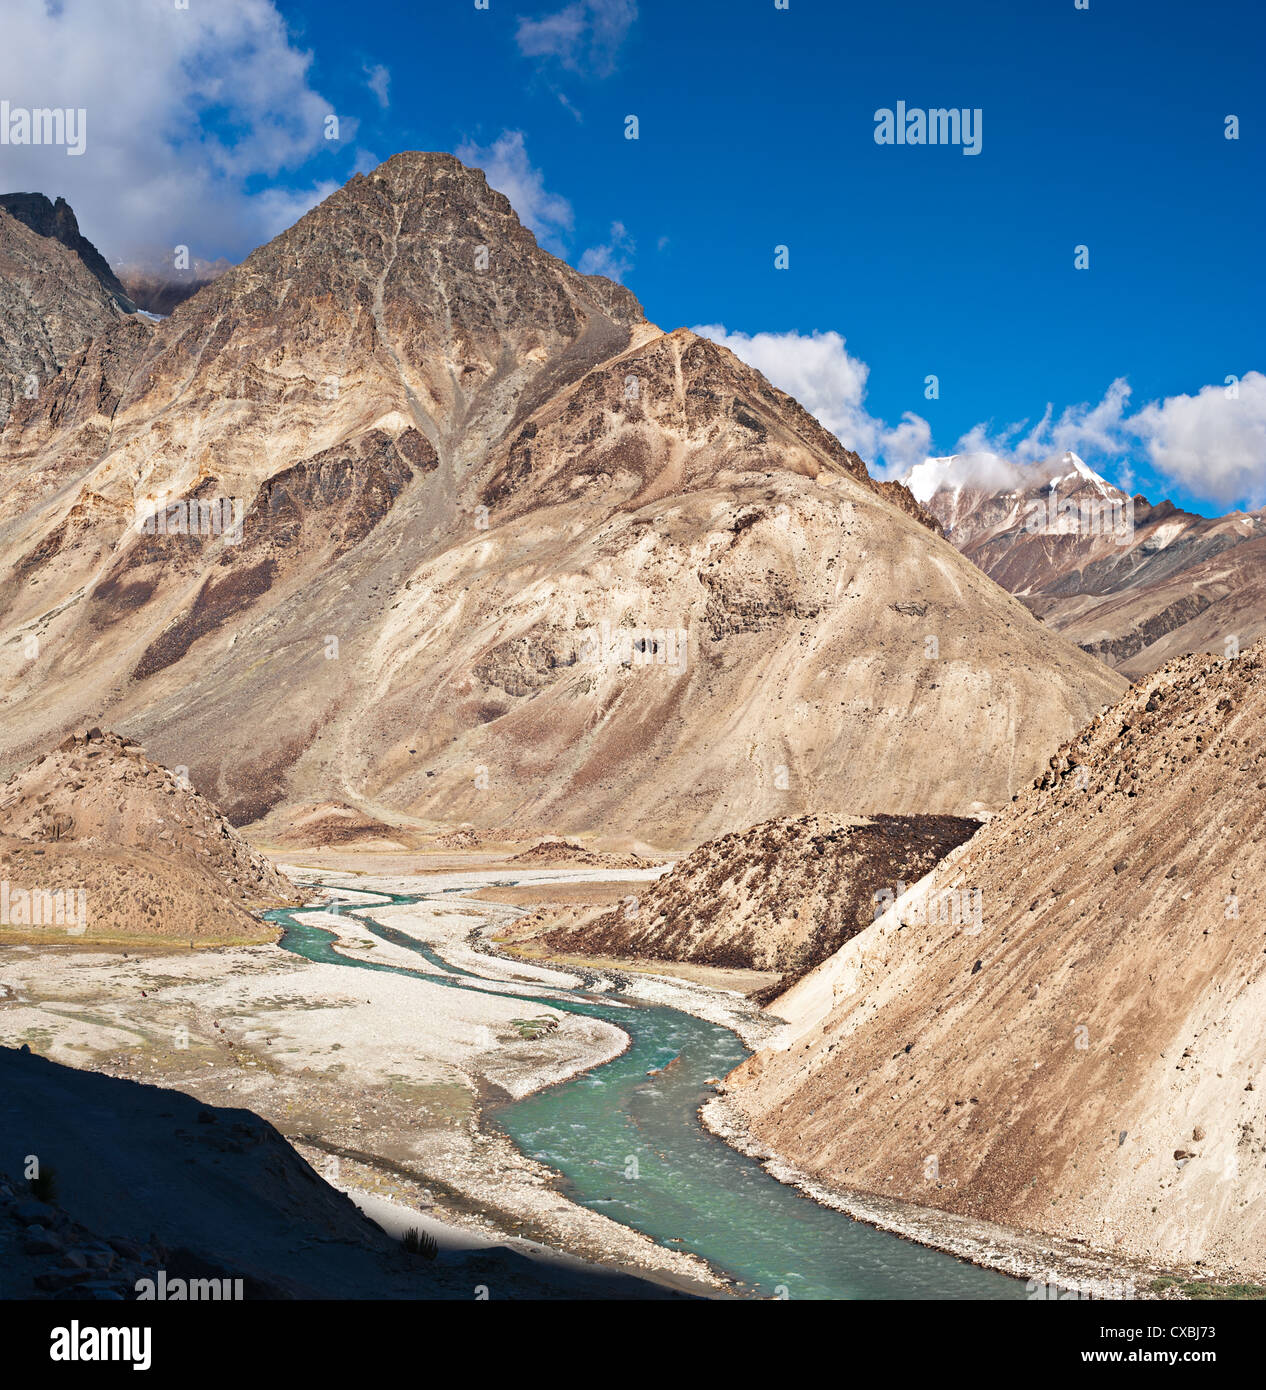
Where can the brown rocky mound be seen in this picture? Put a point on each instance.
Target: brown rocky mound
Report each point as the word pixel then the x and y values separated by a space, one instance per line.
pixel 546 852
pixel 63 891
pixel 150 856
pixel 463 838
pixel 331 823
pixel 1065 1030
pixel 782 895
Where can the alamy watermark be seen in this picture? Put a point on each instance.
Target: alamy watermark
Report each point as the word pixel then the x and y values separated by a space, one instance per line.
pixel 191 516
pixel 168 1290
pixel 44 907
pixel 915 125
pixel 44 125
pixel 1115 1290
pixel 946 907
pixel 634 646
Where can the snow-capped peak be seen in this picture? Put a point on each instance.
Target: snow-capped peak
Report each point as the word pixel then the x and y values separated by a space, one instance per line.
pixel 1082 469
pixel 990 473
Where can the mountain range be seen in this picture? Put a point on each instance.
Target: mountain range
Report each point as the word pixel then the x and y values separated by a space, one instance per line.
pixel 508 554
pixel 404 533
pixel 1132 583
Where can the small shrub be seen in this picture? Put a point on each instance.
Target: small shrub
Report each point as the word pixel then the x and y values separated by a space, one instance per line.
pixel 419 1242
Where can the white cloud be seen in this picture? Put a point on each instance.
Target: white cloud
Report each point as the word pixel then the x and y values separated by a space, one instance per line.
pixel 1083 429
pixel 378 80
pixel 905 444
pixel 507 167
pixel 186 109
pixel 275 209
pixel 973 469
pixel 584 37
pixel 1213 443
pixel 817 369
pixel 612 258
pixel 570 107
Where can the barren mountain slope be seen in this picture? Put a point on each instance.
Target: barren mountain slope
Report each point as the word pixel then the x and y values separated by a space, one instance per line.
pixel 152 856
pixel 51 304
pixel 328 823
pixel 782 895
pixel 56 219
pixel 509 555
pixel 1171 582
pixel 1091 1063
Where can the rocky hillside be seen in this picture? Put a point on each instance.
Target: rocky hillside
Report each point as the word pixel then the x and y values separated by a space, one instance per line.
pixel 51 303
pixel 138 1179
pixel 780 896
pixel 151 856
pixel 1086 1055
pixel 58 221
pixel 331 824
pixel 509 555
pixel 1170 583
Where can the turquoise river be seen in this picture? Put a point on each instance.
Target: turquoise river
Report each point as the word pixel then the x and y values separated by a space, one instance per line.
pixel 627 1139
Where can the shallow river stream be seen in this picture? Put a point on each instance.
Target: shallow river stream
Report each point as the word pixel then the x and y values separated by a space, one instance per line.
pixel 627 1138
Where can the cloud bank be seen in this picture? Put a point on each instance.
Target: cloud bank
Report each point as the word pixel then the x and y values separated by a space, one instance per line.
pixel 1213 443
pixel 187 110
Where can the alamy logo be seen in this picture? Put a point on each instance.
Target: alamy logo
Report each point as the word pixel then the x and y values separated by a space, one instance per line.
pixel 167 1290
pixel 44 125
pixel 947 907
pixel 75 1343
pixel 634 646
pixel 43 907
pixel 940 126
pixel 1116 1290
pixel 210 516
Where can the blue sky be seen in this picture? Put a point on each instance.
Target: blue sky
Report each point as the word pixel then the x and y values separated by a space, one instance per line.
pixel 1102 127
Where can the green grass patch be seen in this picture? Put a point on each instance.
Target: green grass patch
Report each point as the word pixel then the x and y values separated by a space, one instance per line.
pixel 1203 1290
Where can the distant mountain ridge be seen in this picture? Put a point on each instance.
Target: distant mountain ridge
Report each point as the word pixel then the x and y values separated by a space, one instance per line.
pixel 53 302
pixel 1133 583
pixel 158 289
pixel 57 220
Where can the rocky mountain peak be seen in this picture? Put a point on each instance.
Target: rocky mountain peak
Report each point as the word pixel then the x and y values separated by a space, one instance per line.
pixel 490 487
pixel 52 304
pixel 57 220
